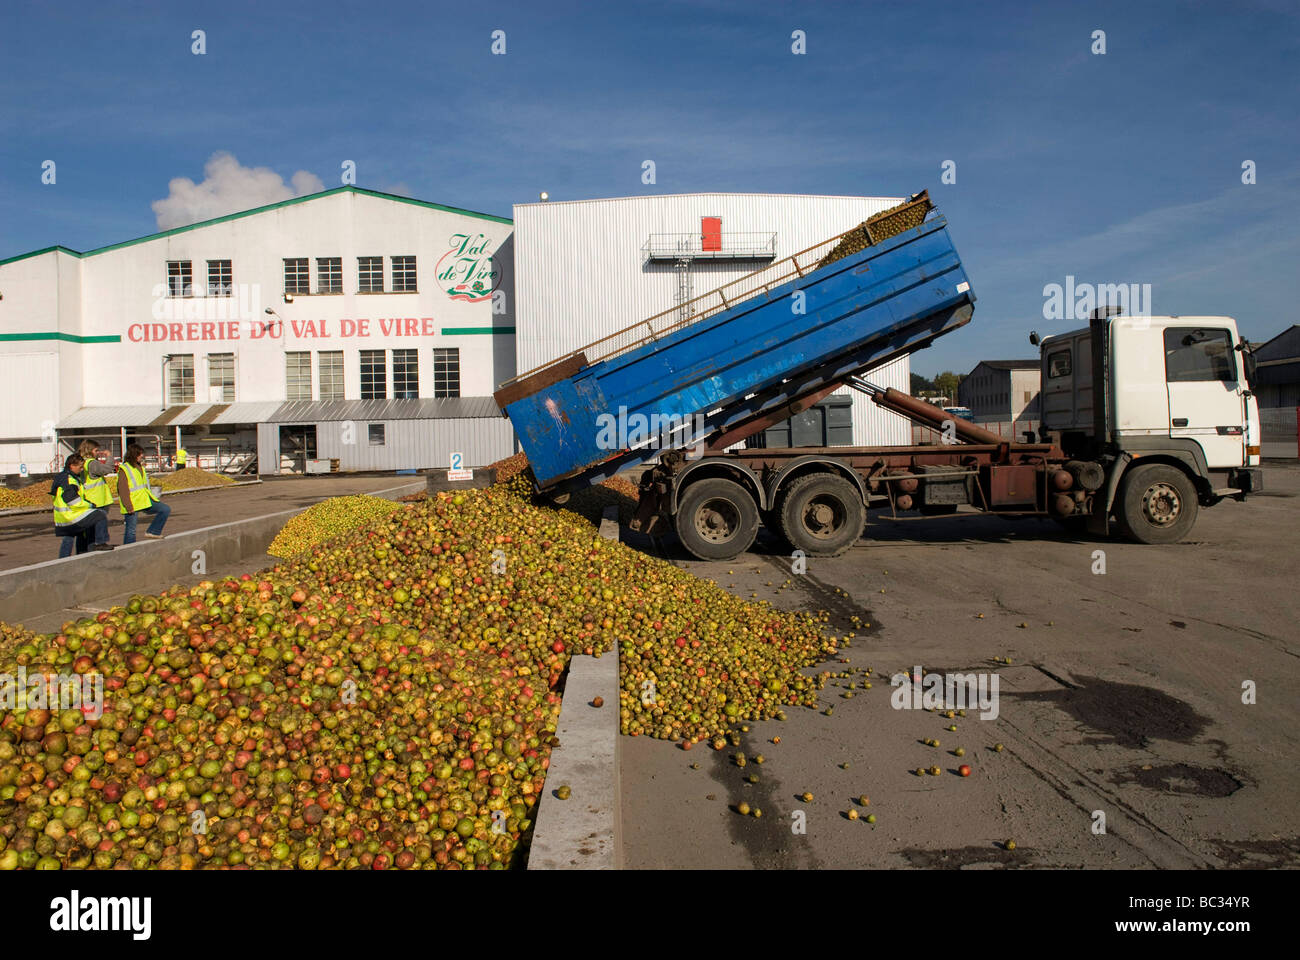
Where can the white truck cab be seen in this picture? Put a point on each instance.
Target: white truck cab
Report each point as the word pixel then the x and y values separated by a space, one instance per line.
pixel 1176 392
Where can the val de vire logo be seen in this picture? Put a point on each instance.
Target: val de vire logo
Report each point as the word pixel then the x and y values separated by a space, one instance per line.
pixel 466 271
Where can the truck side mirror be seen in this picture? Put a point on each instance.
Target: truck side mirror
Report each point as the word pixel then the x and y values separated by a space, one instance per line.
pixel 1248 363
pixel 1033 338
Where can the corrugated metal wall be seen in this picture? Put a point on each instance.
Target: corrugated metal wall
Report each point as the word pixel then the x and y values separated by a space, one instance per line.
pixel 873 425
pixel 416 444
pixel 580 273
pixel 408 444
pixel 268 448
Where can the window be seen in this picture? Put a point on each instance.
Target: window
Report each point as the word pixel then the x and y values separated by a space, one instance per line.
pixel 180 378
pixel 330 365
pixel 297 375
pixel 376 433
pixel 404 274
pixel 1194 353
pixel 446 372
pixel 297 278
pixel 370 274
pixel 219 279
pixel 180 278
pixel 329 274
pixel 1058 364
pixel 406 374
pixel 221 377
pixel 374 375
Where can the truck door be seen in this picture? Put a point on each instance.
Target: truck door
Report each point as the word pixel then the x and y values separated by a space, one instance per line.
pixel 1205 392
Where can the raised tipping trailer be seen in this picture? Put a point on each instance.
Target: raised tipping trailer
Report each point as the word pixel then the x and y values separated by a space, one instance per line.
pixel 758 349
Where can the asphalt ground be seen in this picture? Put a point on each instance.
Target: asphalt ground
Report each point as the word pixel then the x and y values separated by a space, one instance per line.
pixel 1125 739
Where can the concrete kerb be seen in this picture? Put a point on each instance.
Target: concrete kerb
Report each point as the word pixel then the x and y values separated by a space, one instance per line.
pixel 32 591
pixel 584 832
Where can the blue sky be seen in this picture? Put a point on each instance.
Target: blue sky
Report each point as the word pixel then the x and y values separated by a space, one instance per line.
pixel 1119 168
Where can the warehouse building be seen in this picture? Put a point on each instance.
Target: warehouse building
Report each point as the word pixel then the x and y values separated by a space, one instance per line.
pixel 352 328
pixel 585 269
pixel 1278 370
pixel 1002 390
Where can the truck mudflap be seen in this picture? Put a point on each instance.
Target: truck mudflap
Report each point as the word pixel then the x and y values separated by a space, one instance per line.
pixel 654 497
pixel 1099 521
pixel 1247 480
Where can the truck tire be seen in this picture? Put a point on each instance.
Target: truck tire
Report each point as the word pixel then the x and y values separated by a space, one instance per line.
pixel 1156 504
pixel 716 519
pixel 822 515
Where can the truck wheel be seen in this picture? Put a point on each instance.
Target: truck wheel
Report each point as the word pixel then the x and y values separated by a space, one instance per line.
pixel 822 515
pixel 1156 504
pixel 716 519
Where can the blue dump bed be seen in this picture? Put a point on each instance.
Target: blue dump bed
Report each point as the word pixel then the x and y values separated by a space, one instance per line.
pixel 581 421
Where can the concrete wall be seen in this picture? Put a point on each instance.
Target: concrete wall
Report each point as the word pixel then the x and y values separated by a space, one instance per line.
pixel 1025 384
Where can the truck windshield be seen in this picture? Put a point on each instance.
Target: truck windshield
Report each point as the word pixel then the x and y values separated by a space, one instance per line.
pixel 1195 353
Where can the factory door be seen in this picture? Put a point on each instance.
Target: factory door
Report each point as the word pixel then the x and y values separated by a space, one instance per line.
pixel 711 233
pixel 297 446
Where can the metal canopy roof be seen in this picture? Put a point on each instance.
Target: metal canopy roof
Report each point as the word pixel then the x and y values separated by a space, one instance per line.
pixel 182 415
pixel 449 408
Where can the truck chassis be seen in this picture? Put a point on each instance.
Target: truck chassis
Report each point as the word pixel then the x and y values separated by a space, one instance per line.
pixel 817 498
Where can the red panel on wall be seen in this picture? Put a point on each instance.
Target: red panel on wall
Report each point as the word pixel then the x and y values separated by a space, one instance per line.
pixel 711 232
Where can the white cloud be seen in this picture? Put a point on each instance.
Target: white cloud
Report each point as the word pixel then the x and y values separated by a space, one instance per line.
pixel 228 187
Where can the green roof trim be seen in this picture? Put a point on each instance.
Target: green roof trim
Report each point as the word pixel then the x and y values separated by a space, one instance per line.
pixel 256 210
pixel 457 331
pixel 59 335
pixel 36 253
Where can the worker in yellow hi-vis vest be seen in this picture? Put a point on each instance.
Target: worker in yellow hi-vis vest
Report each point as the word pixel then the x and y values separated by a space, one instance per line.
pixel 97 474
pixel 135 497
pixel 77 521
pixel 181 457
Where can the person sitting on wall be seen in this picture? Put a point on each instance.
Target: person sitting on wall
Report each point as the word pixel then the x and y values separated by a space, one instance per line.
pixel 76 520
pixel 135 497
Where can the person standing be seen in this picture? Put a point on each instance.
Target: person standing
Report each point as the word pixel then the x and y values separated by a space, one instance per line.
pixel 181 457
pixel 96 477
pixel 75 519
pixel 135 497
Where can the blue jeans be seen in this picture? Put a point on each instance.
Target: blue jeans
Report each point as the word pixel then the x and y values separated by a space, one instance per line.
pixel 160 513
pixel 78 535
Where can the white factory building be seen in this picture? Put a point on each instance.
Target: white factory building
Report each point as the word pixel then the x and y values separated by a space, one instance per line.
pixel 359 330
pixel 347 326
